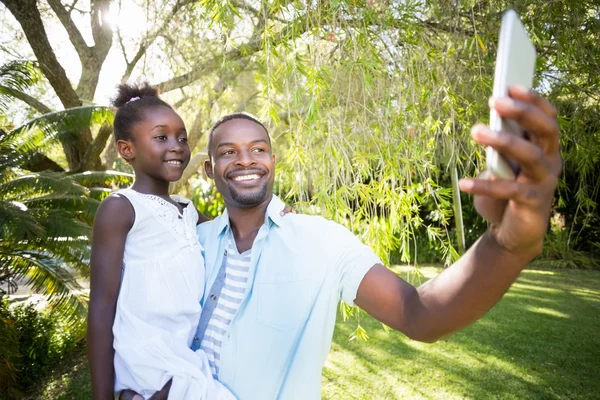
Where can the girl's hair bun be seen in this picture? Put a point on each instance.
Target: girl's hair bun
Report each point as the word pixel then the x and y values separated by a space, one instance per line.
pixel 127 93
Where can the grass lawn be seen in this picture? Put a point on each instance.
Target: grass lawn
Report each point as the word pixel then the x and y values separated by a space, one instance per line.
pixel 542 341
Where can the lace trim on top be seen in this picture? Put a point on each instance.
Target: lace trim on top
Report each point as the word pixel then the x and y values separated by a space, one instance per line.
pixel 181 226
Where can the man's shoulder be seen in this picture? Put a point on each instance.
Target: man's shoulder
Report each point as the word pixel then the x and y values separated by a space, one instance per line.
pixel 312 225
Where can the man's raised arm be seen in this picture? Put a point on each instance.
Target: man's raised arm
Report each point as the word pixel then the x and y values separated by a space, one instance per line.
pixel 518 212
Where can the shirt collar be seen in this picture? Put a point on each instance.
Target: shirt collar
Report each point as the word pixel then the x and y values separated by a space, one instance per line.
pixel 273 209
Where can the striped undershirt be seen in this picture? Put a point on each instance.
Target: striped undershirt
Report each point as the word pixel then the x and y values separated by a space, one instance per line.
pixel 228 303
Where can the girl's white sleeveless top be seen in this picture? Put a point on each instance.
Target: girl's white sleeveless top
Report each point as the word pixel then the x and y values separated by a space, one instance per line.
pixel 158 307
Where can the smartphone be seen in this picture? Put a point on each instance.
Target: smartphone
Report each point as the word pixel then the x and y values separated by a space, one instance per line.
pixel 515 64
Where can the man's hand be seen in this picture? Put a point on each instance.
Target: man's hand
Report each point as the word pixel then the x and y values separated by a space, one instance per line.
pixel 130 395
pixel 519 209
pixel 162 394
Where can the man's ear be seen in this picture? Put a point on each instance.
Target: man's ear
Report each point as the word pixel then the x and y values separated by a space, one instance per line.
pixel 208 169
pixel 126 150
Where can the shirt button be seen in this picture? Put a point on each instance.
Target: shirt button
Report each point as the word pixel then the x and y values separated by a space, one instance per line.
pixel 196 340
pixel 213 297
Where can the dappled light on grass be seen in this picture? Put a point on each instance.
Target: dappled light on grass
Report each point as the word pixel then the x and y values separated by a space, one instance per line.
pixel 539 342
pixel 547 311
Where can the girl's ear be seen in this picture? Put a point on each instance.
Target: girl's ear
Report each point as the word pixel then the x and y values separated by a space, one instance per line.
pixel 126 150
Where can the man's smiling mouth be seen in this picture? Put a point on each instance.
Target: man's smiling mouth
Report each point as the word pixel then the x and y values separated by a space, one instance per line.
pixel 249 177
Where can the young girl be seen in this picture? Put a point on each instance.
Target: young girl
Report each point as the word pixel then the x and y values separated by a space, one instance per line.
pixel 147 269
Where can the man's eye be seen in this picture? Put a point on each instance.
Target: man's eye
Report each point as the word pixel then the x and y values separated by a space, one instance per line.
pixel 258 150
pixel 227 152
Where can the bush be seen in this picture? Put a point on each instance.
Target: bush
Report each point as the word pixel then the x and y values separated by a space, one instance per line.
pixel 31 342
pixel 559 252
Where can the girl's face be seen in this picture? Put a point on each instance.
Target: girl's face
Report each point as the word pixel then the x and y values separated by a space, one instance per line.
pixel 160 145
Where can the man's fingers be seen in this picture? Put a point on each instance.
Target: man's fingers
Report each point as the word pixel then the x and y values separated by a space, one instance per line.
pixel 542 128
pixel 138 397
pixel 501 189
pixel 530 157
pixel 530 96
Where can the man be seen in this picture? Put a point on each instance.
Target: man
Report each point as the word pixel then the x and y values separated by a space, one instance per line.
pixel 274 283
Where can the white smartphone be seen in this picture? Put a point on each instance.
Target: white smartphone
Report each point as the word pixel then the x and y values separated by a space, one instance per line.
pixel 515 64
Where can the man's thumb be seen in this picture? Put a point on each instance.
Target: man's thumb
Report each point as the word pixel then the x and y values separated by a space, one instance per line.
pixel 138 397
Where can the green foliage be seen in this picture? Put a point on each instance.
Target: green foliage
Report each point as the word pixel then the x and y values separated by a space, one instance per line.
pixel 558 252
pixel 39 340
pixel 16 76
pixel 207 198
pixel 64 126
pixel 45 224
pixel 10 359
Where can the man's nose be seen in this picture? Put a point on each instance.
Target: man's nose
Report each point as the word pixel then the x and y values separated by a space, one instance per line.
pixel 245 158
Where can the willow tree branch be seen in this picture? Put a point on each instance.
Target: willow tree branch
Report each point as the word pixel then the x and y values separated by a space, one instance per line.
pixel 292 31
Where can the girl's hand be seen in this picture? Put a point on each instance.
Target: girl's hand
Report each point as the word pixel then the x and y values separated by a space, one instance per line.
pixel 287 210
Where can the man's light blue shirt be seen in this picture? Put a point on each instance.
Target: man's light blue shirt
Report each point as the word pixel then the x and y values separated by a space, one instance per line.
pixel 301 266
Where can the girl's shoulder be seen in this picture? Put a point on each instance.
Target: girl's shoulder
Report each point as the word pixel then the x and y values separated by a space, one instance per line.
pixel 114 208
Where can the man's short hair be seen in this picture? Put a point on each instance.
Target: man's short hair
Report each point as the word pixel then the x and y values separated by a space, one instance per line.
pixel 229 117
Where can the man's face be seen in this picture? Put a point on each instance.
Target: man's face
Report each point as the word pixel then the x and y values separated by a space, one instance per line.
pixel 241 163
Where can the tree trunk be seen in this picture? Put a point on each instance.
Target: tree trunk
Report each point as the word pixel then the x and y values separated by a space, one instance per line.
pixel 28 16
pixel 457 205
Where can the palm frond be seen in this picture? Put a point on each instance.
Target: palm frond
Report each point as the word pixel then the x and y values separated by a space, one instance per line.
pixel 103 178
pixel 16 76
pixel 16 223
pixel 83 207
pixel 19 74
pixel 62 125
pixel 33 185
pixel 48 276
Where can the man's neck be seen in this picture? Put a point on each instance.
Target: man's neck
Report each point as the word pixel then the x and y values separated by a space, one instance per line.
pixel 246 222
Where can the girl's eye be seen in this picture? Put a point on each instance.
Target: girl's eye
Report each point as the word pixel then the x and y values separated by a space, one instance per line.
pixel 183 140
pixel 161 137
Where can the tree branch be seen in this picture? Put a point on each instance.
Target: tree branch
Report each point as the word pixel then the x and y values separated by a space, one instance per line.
pixel 244 104
pixel 93 152
pixel 38 162
pixel 28 16
pixel 72 6
pixel 75 36
pixel 92 63
pixel 151 37
pixel 257 13
pixel 254 45
pixel 27 99
pixel 101 31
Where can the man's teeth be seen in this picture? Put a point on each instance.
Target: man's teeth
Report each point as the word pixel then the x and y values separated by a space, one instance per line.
pixel 174 162
pixel 246 177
